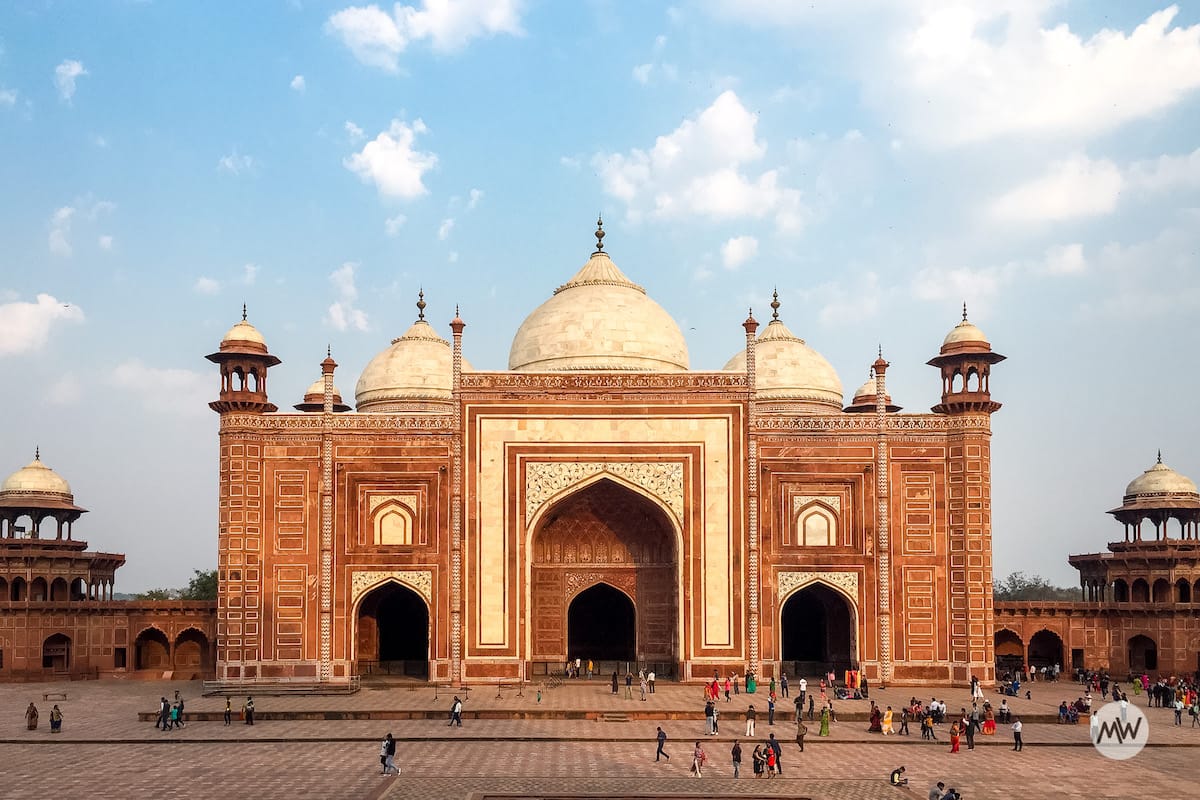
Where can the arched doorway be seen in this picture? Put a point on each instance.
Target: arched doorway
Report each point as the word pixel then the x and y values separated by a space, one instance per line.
pixel 1120 591
pixel 1162 591
pixel 1045 649
pixel 1143 654
pixel 191 653
pixel 39 591
pixel 59 590
pixel 1010 652
pixel 602 625
pixel 1140 591
pixel 609 552
pixel 56 653
pixel 393 632
pixel 152 650
pixel 817 628
pixel 19 589
pixel 1183 591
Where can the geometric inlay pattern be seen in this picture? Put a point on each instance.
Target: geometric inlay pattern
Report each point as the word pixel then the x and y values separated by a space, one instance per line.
pixel 790 581
pixel 421 580
pixel 545 479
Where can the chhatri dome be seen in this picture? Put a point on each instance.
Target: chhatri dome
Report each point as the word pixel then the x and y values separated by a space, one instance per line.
pixel 1160 482
pixel 599 321
pixel 415 373
pixel 787 369
pixel 243 335
pixel 36 486
pixel 965 336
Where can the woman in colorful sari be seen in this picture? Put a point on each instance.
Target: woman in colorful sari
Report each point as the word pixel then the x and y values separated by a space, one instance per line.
pixel 887 721
pixel 954 738
pixel 31 717
pixel 824 722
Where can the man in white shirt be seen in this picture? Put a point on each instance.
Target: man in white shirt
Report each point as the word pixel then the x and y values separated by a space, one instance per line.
pixel 1016 729
pixel 803 689
pixel 650 680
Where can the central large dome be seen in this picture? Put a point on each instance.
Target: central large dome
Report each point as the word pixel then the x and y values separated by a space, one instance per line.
pixel 599 321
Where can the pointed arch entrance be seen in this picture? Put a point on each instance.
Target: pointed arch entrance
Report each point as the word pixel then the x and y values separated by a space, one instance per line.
pixel 604 569
pixel 393 632
pixel 817 629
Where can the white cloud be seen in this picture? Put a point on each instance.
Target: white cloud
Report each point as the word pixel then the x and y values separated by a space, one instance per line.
pixel 473 198
pixel 444 229
pixel 391 163
pixel 235 164
pixel 393 224
pixel 8 98
pixel 206 286
pixel 342 313
pixel 105 242
pixel 1150 279
pixel 182 392
pixel 297 84
pixel 377 38
pixel 847 306
pixel 353 131
pixel 66 391
pixel 1075 187
pixel 250 274
pixel 738 251
pixel 65 75
pixel 25 327
pixel 1065 260
pixel 452 257
pixel 641 73
pixel 696 170
pixel 1166 172
pixel 570 162
pixel 979 286
pixel 60 228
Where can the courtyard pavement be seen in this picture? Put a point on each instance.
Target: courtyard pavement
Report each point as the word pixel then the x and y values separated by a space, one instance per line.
pixel 520 748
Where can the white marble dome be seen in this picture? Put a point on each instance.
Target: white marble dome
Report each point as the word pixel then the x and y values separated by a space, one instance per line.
pixel 416 368
pixel 788 369
pixel 36 478
pixel 243 333
pixel 599 321
pixel 1160 480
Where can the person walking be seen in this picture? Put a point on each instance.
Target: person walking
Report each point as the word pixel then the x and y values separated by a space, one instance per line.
pixel 751 715
pixel 248 710
pixel 55 719
pixel 783 684
pixel 650 680
pixel 628 686
pixel 31 718
pixel 904 722
pixel 614 682
pixel 164 714
pixel 954 738
pixel 728 686
pixel 455 713
pixel 803 686
pixel 709 725
pixel 771 706
pixel 777 749
pixel 824 731
pixel 228 711
pixel 698 759
pixel 736 753
pixel 970 728
pixel 1018 745
pixel 801 732
pixel 811 706
pixel 389 756
pixel 886 726
pixel 662 740
pixel 643 687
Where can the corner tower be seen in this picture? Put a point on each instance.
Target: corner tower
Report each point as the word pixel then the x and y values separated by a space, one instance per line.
pixel 244 360
pixel 965 361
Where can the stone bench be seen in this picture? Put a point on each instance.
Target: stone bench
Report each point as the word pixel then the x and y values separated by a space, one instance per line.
pixel 54 695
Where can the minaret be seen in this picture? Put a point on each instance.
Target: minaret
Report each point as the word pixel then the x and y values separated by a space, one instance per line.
pixel 244 360
pixel 965 360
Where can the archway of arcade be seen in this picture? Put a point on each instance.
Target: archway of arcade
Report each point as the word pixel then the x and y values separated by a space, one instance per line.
pixel 193 656
pixel 604 572
pixel 393 633
pixel 152 650
pixel 1143 654
pixel 1045 650
pixel 1010 652
pixel 817 631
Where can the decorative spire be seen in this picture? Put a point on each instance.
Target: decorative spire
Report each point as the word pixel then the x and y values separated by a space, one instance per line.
pixel 881 349
pixel 421 305
pixel 243 312
pixel 1160 455
pixel 599 233
pixel 329 351
pixel 775 305
pixel 964 311
pixel 37 454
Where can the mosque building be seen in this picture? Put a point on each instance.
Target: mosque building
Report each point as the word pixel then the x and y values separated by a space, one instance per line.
pixel 599 499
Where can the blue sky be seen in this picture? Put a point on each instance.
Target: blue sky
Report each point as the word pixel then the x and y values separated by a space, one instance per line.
pixel 879 162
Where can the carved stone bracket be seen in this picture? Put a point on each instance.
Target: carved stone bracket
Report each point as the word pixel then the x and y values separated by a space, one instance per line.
pixel 625 580
pixel 789 582
pixel 545 479
pixel 420 580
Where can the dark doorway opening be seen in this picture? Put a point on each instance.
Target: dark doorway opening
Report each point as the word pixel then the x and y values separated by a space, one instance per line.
pixel 1045 650
pixel 602 625
pixel 1143 654
pixel 818 631
pixel 393 633
pixel 56 653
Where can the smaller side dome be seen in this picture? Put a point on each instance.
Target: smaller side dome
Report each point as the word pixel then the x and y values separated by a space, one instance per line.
pixel 864 400
pixel 1159 481
pixel 243 338
pixel 965 336
pixel 314 398
pixel 36 478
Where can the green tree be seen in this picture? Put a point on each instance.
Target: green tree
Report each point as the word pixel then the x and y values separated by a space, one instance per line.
pixel 1019 586
pixel 155 594
pixel 202 586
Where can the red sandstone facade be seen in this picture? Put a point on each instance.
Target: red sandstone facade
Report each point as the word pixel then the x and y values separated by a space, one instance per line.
pixel 605 502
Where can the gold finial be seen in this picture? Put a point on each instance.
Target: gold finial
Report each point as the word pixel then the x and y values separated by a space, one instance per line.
pixel 243 312
pixel 420 304
pixel 599 233
pixel 775 304
pixel 964 311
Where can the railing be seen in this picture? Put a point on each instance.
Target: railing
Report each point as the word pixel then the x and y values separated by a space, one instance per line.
pixel 286 685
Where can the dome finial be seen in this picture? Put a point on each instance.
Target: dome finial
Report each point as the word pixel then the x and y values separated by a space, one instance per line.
pixel 775 304
pixel 964 311
pixel 243 312
pixel 421 304
pixel 599 233
pixel 1160 455
pixel 881 349
pixel 329 351
pixel 37 454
